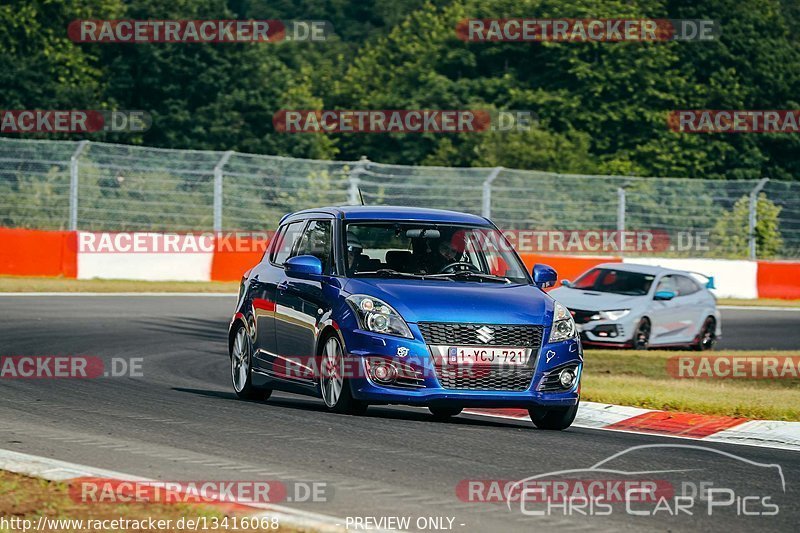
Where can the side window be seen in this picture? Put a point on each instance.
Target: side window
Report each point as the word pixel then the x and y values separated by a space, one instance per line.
pixel 317 241
pixel 686 286
pixel 286 238
pixel 668 283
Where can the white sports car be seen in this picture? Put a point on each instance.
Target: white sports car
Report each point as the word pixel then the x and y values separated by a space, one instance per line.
pixel 637 306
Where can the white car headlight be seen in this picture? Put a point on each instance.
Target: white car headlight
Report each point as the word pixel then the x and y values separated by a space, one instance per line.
pixel 614 314
pixel 378 316
pixel 563 324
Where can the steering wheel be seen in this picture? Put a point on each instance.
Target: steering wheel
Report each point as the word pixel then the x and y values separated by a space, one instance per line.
pixel 458 266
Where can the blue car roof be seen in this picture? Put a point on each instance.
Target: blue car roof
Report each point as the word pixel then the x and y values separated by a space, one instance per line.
pixel 389 212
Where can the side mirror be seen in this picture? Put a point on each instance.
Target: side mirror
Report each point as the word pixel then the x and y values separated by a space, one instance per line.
pixel 544 276
pixel 566 283
pixel 664 295
pixel 304 267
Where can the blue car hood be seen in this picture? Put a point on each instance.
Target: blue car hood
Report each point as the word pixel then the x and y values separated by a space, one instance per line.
pixel 456 301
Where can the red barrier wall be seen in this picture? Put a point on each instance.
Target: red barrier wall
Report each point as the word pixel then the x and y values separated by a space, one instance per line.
pixel 778 280
pixel 233 256
pixel 26 252
pixel 229 266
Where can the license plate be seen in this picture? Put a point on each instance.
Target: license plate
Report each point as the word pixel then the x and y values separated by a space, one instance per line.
pixel 480 356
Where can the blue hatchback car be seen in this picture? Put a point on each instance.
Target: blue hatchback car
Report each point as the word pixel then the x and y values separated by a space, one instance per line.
pixel 385 305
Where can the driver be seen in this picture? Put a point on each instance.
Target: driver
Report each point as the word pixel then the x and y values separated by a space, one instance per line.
pixel 447 252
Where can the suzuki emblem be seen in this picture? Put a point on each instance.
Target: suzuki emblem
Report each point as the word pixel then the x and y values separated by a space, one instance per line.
pixel 485 334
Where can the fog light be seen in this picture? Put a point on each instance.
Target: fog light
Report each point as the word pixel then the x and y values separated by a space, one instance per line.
pixel 384 373
pixel 566 377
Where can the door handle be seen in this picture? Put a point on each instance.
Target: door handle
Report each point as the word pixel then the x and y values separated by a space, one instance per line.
pixel 283 285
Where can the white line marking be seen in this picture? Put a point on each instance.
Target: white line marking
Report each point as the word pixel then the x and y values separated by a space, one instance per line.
pixel 56 470
pixel 757 308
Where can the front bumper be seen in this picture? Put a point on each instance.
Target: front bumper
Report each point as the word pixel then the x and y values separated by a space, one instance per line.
pixel 608 332
pixel 428 390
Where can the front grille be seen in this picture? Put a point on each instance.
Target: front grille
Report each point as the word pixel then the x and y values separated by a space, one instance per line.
pixel 452 334
pixel 508 379
pixel 581 316
pixel 550 381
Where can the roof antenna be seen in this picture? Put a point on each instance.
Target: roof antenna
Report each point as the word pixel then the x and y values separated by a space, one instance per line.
pixel 361 196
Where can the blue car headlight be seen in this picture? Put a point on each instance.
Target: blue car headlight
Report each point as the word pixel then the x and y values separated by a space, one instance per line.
pixel 378 316
pixel 563 324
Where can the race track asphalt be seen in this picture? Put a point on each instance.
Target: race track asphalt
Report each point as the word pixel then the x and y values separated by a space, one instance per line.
pixel 180 421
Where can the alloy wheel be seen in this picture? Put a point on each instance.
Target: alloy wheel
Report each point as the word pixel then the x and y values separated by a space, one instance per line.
pixel 333 376
pixel 240 360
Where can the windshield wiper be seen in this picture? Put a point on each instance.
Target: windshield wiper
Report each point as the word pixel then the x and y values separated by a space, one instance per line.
pixel 468 274
pixel 390 273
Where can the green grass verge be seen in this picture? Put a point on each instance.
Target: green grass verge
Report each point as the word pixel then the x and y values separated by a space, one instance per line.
pixel 640 379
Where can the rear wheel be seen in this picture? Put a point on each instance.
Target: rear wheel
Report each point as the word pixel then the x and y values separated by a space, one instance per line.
pixel 334 385
pixel 553 418
pixel 641 338
pixel 443 413
pixel 707 337
pixel 241 368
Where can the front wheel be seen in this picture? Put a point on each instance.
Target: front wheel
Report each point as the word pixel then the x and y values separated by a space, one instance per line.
pixel 333 383
pixel 241 366
pixel 708 335
pixel 553 418
pixel 641 339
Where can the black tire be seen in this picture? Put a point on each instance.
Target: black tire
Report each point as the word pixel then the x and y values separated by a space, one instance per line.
pixel 443 413
pixel 707 337
pixel 241 353
pixel 641 337
pixel 337 394
pixel 555 418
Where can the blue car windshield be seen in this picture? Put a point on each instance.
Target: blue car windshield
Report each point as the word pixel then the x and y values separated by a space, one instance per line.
pixel 431 251
pixel 615 281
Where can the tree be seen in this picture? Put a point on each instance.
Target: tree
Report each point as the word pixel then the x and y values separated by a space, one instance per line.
pixel 730 236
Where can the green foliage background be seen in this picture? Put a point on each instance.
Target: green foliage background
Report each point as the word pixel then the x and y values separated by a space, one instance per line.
pixel 602 107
